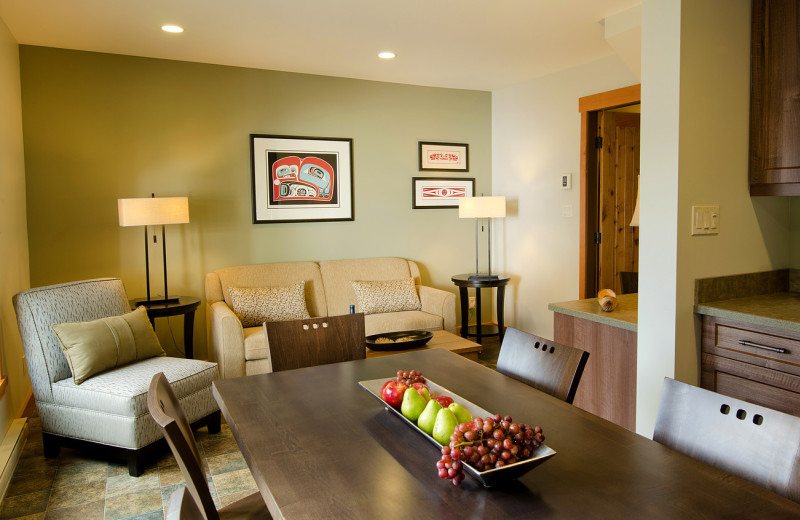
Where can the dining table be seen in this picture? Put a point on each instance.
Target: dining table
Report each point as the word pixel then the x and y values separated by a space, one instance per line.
pixel 320 446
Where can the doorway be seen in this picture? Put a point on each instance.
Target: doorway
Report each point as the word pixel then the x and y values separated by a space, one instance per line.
pixel 609 183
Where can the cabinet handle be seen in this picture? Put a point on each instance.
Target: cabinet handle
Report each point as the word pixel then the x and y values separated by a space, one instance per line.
pixel 756 345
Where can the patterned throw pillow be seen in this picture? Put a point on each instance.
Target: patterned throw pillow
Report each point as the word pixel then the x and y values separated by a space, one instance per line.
pixel 386 296
pixel 255 305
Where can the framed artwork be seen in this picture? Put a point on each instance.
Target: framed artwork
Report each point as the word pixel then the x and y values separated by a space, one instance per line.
pixel 440 192
pixel 451 157
pixel 301 179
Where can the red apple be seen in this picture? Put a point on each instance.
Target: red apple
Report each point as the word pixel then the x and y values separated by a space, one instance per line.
pixel 392 392
pixel 444 400
pixel 422 389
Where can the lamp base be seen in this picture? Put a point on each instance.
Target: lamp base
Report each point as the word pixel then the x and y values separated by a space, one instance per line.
pixel 161 301
pixel 484 277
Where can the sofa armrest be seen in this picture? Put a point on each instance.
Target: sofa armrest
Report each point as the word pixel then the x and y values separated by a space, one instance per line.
pixel 226 340
pixel 440 303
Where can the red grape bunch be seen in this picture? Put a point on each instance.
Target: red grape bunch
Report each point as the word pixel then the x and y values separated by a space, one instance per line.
pixel 409 377
pixel 487 444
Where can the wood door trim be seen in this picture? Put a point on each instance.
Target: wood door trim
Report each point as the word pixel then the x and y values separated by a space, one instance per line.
pixel 601 101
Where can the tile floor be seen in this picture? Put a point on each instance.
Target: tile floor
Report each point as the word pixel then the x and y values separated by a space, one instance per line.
pixel 76 486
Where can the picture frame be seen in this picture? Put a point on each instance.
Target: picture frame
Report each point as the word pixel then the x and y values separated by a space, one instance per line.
pixel 440 192
pixel 301 179
pixel 450 157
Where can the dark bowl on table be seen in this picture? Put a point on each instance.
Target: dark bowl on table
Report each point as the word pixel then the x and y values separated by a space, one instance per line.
pixel 402 340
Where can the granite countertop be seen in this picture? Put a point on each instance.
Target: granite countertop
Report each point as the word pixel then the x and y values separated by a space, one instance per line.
pixel 625 316
pixel 778 310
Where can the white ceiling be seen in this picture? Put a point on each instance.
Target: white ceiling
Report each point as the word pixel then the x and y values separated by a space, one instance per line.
pixel 470 44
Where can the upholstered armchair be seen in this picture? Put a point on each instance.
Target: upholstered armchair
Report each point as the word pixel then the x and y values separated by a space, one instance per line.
pixel 106 413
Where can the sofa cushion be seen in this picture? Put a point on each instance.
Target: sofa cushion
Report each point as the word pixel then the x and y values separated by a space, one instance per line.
pixel 404 320
pixel 374 297
pixel 94 346
pixel 275 275
pixel 337 275
pixel 255 305
pixel 123 390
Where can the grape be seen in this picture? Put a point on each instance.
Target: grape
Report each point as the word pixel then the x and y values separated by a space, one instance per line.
pixel 492 442
pixel 409 377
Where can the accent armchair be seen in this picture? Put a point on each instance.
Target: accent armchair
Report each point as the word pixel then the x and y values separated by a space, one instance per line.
pixel 107 413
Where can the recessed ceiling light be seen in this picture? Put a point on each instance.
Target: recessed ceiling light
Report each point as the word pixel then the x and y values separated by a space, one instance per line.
pixel 386 55
pixel 172 28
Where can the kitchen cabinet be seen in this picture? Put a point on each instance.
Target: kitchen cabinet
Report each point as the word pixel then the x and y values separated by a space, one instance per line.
pixel 775 98
pixel 755 363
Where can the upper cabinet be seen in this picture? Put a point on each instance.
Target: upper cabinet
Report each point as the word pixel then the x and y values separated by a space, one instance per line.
pixel 775 98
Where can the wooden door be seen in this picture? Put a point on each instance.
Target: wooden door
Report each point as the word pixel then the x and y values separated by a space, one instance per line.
pixel 618 170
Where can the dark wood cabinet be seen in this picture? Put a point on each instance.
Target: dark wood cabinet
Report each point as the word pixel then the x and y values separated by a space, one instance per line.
pixel 757 364
pixel 775 98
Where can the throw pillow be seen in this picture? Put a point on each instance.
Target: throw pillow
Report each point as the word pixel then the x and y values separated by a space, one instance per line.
pixel 95 346
pixel 255 305
pixel 373 297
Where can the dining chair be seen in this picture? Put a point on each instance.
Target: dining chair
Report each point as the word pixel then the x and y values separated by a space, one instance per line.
pixel 746 440
pixel 628 282
pixel 168 414
pixel 545 365
pixel 315 341
pixel 182 506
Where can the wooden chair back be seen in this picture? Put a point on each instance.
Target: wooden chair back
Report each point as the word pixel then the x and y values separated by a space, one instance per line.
pixel 628 282
pixel 168 414
pixel 315 341
pixel 182 506
pixel 545 365
pixel 746 440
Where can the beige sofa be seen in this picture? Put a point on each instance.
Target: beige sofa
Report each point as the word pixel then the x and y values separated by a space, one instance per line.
pixel 243 351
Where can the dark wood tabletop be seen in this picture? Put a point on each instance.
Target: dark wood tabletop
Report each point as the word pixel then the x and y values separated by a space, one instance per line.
pixel 320 446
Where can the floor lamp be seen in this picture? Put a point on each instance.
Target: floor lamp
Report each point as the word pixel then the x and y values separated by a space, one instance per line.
pixel 478 208
pixel 154 212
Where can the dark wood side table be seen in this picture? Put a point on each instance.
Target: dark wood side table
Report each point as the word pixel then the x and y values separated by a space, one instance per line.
pixel 463 282
pixel 186 305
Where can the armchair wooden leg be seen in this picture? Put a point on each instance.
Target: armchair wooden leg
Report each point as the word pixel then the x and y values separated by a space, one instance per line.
pixel 214 422
pixel 138 460
pixel 50 445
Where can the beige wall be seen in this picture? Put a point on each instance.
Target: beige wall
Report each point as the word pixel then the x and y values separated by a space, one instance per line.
pixel 695 152
pixel 536 139
pixel 100 127
pixel 14 275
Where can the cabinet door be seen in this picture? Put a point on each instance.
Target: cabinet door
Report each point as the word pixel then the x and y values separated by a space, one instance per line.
pixel 775 98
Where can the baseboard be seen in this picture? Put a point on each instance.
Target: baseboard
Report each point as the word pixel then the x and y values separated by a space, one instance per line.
pixel 11 451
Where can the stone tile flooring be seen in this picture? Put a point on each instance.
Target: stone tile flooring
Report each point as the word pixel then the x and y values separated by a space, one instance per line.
pixel 77 486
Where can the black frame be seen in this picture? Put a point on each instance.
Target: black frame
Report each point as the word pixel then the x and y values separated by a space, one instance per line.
pixel 465 147
pixel 415 180
pixel 348 192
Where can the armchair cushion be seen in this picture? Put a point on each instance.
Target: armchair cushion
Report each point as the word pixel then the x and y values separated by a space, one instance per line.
pixel 374 297
pixel 95 346
pixel 255 305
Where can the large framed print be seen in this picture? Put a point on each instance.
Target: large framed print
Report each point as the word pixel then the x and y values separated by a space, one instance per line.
pixel 301 179
pixel 450 157
pixel 440 192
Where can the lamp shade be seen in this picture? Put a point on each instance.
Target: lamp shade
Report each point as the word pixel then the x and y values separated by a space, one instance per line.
pixel 635 218
pixel 482 207
pixel 153 211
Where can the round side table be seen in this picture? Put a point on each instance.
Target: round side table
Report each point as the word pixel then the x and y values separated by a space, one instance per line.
pixel 464 282
pixel 186 305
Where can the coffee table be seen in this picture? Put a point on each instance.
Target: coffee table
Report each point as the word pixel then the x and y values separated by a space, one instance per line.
pixel 441 339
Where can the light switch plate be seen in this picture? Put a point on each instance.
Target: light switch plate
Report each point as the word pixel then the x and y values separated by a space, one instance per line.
pixel 566 181
pixel 705 220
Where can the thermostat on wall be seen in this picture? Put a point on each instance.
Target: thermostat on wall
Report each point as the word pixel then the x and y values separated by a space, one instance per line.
pixel 566 181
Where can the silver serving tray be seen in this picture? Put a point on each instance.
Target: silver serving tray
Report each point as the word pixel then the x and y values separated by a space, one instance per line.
pixel 488 478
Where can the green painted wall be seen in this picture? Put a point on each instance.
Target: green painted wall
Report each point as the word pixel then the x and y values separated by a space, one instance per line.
pixel 99 127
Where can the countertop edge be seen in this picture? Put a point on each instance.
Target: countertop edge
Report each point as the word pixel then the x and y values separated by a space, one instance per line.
pixel 710 310
pixel 605 320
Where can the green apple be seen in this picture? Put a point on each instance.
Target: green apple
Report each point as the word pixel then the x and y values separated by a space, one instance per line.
pixel 460 412
pixel 413 405
pixel 444 427
pixel 427 418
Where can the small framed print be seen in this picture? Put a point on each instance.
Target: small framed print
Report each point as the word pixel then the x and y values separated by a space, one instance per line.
pixel 440 192
pixel 301 179
pixel 451 157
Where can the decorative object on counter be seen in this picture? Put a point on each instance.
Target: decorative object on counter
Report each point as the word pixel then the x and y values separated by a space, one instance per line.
pixel 440 192
pixel 301 179
pixel 607 299
pixel 478 208
pixel 450 157
pixel 154 212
